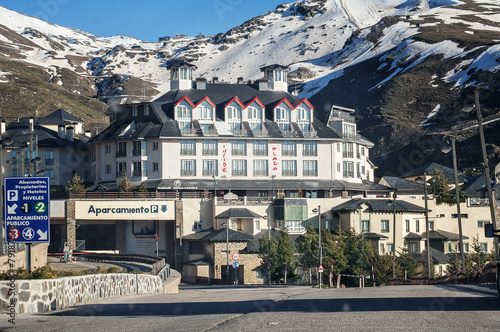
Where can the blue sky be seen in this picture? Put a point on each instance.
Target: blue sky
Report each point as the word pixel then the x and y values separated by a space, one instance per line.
pixel 146 19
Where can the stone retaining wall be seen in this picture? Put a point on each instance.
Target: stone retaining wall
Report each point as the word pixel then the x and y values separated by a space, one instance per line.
pixel 53 294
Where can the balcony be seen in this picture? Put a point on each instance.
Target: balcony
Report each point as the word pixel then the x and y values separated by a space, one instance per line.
pixel 209 152
pixel 239 172
pixel 188 131
pixel 241 132
pixel 239 152
pixel 289 153
pixel 260 152
pixel 311 133
pixel 476 201
pixel 261 133
pixel 49 161
pixel 350 136
pixel 210 132
pixel 139 152
pixel 348 154
pixel 310 172
pixel 312 153
pixel 188 172
pixel 261 172
pixel 290 133
pixel 141 173
pixel 289 172
pixel 121 153
pixel 210 172
pixel 188 152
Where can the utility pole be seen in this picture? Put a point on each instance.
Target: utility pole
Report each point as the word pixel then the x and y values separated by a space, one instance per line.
pixel 457 193
pixel 427 227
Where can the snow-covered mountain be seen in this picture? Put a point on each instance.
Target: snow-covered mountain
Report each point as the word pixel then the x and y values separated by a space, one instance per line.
pixel 357 53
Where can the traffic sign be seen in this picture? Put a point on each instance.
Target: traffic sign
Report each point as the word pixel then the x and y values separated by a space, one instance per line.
pixel 236 264
pixel 27 217
pixel 236 256
pixel 320 268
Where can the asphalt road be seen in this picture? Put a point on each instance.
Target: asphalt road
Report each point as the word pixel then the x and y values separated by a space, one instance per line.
pixel 282 308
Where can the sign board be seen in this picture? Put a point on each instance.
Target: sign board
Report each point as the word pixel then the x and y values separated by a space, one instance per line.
pixel 236 264
pixel 236 256
pixel 27 202
pixel 320 268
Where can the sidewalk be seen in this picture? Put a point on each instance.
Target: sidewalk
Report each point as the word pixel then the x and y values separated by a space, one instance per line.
pixel 79 265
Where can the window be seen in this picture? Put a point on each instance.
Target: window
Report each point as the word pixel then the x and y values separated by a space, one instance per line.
pixel 155 167
pixel 288 148
pixel 389 247
pixel 466 247
pixel 183 117
pixel 260 168
pixel 407 222
pixel 134 111
pixel 49 157
pixel 338 167
pixel 338 147
pixel 256 223
pixel 121 169
pixel 294 226
pixel 107 149
pixel 188 167
pixel 196 227
pixel 205 113
pixel 255 119
pixel 188 147
pixel 358 170
pixel 239 167
pixel 309 148
pixel 417 226
pixel 310 168
pixel 480 223
pixel 209 147
pixel 348 169
pixel 362 150
pixel 289 168
pixel 210 168
pixel 349 131
pixel 484 247
pixel 139 169
pixel 146 110
pixel 365 226
pixel 413 247
pixel 49 173
pixel 449 247
pixel 238 148
pixel 260 148
pixel 462 215
pixel 122 149
pixel 155 146
pixel 283 118
pixel 384 226
pixel 382 248
pixel 431 224
pixel 108 169
pixel 234 118
pixel 348 151
pixel 139 148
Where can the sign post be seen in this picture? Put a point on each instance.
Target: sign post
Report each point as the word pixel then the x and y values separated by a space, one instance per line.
pixel 27 217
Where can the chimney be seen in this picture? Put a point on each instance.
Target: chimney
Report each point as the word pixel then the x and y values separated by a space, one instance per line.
pixel 201 83
pixel 215 80
pixel 2 126
pixel 32 124
pixel 61 132
pixel 240 80
pixel 88 133
pixel 70 133
pixel 263 84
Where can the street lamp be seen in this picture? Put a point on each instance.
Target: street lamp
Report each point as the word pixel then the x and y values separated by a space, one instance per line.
pixel 318 211
pixel 457 194
pixel 393 204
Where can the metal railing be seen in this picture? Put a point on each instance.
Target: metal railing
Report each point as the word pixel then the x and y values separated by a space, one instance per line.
pixel 310 153
pixel 260 152
pixel 140 194
pixel 188 152
pixel 139 152
pixel 121 153
pixel 476 201
pixel 188 131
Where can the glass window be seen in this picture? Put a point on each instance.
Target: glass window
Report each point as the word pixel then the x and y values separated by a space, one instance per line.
pixel 146 110
pixel 122 149
pixel 188 167
pixel 260 168
pixel 384 226
pixel 309 148
pixel 407 222
pixel 183 113
pixel 209 147
pixel 49 173
pixel 239 167
pixel 134 111
pixel 107 149
pixel 310 168
pixel 348 151
pixel 365 226
pixel 155 167
pixel 238 148
pixel 121 169
pixel 188 147
pixel 349 131
pixel 49 157
pixel 155 146
pixel 484 247
pixel 108 169
pixel 260 148
pixel 413 247
pixel 417 226
pixel 348 169
pixel 389 247
pixel 289 168
pixel 205 112
pixel 288 148
pixel 210 168
pixel 256 225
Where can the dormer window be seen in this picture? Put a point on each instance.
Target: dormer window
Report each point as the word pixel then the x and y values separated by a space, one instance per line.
pixel 303 119
pixel 204 113
pixel 183 117
pixel 349 131
pixel 283 118
pixel 182 73
pixel 234 118
pixel 255 118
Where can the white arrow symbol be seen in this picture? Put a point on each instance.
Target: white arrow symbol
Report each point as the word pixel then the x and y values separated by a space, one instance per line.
pixel 43 235
pixel 11 209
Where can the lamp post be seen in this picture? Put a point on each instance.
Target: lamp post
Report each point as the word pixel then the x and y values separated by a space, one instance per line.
pixel 269 247
pixel 272 185
pixel 427 227
pixel 227 251
pixel 457 194
pixel 318 211
pixel 393 204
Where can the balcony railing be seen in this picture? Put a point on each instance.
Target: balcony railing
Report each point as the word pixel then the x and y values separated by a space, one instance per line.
pixel 239 172
pixel 241 132
pixel 290 133
pixel 210 172
pixel 188 172
pixel 310 133
pixel 239 152
pixel 261 172
pixel 211 131
pixel 476 201
pixel 348 154
pixel 188 152
pixel 141 173
pixel 139 152
pixel 188 131
pixel 121 153
pixel 209 152
pixel 260 152
pixel 310 153
pixel 288 152
pixel 310 172
pixel 289 172
pixel 49 161
pixel 262 133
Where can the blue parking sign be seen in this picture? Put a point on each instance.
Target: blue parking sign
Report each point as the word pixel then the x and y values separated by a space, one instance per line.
pixel 27 202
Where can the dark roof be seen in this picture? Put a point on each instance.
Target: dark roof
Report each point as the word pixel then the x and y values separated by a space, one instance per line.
pixel 200 261
pixel 239 213
pixel 274 66
pixel 474 185
pixel 374 236
pixel 379 205
pixel 220 235
pixel 402 185
pixel 253 245
pixel 61 114
pixel 443 235
pixel 437 256
pixel 413 236
pixel 429 168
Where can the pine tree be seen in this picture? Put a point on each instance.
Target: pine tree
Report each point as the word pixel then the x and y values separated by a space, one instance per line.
pixel 406 262
pixel 268 255
pixel 285 254
pixel 125 184
pixel 75 186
